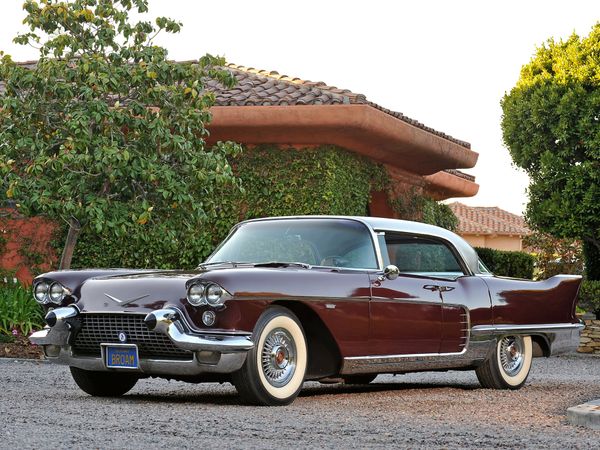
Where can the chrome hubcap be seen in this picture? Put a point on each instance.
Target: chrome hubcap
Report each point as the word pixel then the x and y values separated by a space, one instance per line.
pixel 278 357
pixel 511 354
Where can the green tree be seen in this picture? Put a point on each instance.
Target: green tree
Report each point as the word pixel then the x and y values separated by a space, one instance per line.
pixel 551 126
pixel 104 131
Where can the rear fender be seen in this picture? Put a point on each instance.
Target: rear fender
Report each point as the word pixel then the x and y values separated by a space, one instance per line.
pixel 522 302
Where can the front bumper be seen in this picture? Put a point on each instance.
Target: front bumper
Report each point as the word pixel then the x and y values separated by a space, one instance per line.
pixel 211 353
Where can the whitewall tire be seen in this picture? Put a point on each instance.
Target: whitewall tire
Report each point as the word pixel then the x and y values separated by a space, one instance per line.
pixel 274 370
pixel 510 364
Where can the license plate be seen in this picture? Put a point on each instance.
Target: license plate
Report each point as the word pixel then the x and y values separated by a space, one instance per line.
pixel 121 356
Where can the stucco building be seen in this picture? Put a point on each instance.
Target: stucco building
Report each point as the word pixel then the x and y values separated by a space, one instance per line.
pixel 269 108
pixel 490 227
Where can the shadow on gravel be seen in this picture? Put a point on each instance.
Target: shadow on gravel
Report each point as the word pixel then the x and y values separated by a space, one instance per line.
pixel 209 398
pixel 313 390
pixel 381 387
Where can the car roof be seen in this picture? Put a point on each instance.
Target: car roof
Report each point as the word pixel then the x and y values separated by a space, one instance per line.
pixel 468 254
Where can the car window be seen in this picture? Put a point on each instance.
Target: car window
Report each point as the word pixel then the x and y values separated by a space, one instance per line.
pixel 320 242
pixel 422 256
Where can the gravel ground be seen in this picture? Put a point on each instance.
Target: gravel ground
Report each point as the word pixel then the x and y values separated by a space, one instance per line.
pixel 40 407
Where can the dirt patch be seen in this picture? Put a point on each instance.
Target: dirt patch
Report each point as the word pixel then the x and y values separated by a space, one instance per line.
pixel 20 347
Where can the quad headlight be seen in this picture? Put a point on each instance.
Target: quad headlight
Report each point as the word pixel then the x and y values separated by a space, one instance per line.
pixel 40 292
pixel 206 293
pixel 195 294
pixel 45 292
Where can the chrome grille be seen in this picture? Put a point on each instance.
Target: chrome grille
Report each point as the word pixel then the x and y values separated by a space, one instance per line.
pixel 99 329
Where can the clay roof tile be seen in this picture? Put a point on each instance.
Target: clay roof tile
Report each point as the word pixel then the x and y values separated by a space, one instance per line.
pixel 488 220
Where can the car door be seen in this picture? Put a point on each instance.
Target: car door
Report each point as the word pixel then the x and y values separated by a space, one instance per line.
pixel 407 314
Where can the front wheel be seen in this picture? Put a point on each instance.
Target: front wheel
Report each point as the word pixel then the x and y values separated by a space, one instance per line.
pixel 509 367
pixel 103 384
pixel 274 369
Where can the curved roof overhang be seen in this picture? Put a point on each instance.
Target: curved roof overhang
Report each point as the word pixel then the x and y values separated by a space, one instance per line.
pixel 443 185
pixel 360 128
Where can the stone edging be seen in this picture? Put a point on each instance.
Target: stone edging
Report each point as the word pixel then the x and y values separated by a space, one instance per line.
pixel 586 414
pixel 590 337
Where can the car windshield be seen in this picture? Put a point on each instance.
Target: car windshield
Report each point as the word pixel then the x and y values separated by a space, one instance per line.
pixel 318 242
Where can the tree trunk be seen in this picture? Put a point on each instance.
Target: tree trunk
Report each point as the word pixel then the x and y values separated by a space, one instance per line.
pixel 591 255
pixel 67 254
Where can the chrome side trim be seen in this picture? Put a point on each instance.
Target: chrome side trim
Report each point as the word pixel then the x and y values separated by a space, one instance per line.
pixel 471 356
pixel 520 329
pixel 560 337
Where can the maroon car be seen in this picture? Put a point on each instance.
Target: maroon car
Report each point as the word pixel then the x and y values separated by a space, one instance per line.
pixel 288 299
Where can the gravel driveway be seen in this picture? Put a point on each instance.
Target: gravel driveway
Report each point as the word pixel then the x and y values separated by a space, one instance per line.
pixel 40 407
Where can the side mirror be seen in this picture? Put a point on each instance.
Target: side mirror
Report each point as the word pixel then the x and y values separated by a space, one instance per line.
pixel 390 272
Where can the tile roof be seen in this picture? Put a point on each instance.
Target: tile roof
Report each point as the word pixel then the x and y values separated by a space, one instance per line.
pixel 261 87
pixel 460 174
pixel 488 220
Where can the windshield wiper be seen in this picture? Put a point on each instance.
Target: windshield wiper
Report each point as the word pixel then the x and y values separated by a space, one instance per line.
pixel 283 264
pixel 218 263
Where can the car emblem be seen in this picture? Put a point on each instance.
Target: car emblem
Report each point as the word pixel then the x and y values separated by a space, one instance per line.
pixel 122 337
pixel 125 302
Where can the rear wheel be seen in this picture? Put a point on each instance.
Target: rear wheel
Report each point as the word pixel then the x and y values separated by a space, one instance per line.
pixel 103 384
pixel 509 367
pixel 274 370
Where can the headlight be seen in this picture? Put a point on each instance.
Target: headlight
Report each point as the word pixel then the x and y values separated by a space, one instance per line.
pixel 214 294
pixel 57 293
pixel 203 293
pixel 40 292
pixel 195 294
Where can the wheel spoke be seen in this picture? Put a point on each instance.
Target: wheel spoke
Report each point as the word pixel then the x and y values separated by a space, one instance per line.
pixel 511 354
pixel 278 357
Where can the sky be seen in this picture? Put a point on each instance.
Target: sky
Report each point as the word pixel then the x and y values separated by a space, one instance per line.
pixel 444 63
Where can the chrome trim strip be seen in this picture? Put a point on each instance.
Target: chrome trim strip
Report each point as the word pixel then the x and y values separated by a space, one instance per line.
pixel 410 356
pixel 322 299
pixel 471 356
pixel 415 301
pixel 536 328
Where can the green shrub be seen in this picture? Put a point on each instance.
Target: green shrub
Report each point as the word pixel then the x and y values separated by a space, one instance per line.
pixel 439 214
pixel 589 296
pixel 18 310
pixel 275 182
pixel 506 263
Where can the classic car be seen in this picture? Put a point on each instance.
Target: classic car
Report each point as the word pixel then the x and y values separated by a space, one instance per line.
pixel 288 299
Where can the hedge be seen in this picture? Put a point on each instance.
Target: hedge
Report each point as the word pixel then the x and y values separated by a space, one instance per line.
pixel 589 296
pixel 507 263
pixel 275 182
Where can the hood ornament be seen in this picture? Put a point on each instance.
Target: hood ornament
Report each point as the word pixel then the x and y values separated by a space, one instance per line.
pixel 125 302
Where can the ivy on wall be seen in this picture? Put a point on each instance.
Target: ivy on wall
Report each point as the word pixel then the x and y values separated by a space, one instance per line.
pixel 412 205
pixel 274 182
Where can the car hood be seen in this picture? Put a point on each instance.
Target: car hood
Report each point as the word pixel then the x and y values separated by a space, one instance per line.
pixel 134 292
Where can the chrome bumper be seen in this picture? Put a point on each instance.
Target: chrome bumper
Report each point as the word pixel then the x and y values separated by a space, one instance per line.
pixel 211 353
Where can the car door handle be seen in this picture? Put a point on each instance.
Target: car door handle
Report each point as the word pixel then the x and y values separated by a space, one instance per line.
pixel 433 288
